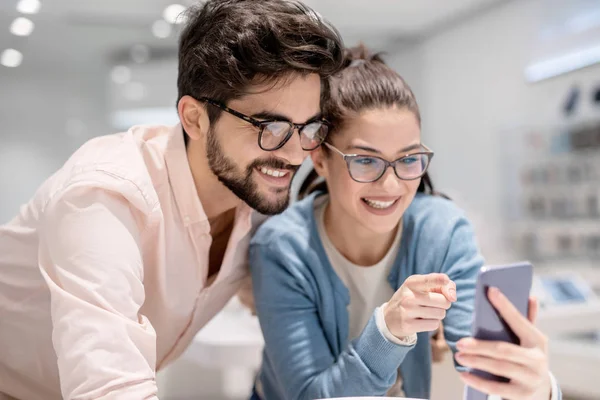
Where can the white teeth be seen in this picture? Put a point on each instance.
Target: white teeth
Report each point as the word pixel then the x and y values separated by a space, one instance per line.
pixel 273 172
pixel 379 204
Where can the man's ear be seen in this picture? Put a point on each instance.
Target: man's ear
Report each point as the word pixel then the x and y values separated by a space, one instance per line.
pixel 194 117
pixel 319 159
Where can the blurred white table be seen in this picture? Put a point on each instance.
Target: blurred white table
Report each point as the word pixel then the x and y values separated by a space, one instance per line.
pixel 372 398
pixel 232 338
pixel 231 343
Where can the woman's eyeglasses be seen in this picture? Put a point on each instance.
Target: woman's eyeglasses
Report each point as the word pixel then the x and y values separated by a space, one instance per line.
pixel 366 169
pixel 273 135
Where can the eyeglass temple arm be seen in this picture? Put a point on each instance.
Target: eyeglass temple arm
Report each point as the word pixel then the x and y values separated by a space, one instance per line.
pixel 335 149
pixel 232 112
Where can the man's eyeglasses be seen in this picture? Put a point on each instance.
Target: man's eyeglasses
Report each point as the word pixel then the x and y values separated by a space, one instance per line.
pixel 366 169
pixel 273 135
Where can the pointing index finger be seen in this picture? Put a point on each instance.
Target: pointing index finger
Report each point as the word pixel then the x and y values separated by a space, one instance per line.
pixel 436 282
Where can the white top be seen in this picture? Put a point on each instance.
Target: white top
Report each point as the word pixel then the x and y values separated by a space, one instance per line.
pixel 368 286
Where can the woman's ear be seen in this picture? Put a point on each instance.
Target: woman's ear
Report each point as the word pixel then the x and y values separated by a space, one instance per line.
pixel 193 117
pixel 319 159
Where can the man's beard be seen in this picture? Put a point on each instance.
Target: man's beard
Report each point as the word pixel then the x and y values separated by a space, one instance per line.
pixel 241 184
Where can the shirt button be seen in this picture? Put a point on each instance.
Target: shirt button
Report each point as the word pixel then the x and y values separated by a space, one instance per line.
pixel 187 219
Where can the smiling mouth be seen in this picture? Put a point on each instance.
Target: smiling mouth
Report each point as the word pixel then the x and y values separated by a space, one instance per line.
pixel 276 173
pixel 381 205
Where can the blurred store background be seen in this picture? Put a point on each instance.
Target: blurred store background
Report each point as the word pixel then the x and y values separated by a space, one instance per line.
pixel 510 98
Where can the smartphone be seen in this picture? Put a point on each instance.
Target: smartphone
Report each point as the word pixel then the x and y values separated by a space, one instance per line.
pixel 514 281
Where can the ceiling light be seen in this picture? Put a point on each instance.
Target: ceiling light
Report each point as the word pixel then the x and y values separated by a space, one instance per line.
pixel 161 29
pixel 172 14
pixel 21 27
pixel 562 64
pixel 29 6
pixel 11 58
pixel 120 74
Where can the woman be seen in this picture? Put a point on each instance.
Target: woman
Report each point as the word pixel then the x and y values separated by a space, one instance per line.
pixel 350 281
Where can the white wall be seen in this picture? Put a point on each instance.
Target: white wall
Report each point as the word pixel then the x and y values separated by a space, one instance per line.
pixel 407 60
pixel 44 117
pixel 156 83
pixel 470 86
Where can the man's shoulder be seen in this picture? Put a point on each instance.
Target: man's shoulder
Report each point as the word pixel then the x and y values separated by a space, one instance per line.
pixel 130 164
pixel 123 153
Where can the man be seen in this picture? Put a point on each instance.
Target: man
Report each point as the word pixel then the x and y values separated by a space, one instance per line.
pixel 107 274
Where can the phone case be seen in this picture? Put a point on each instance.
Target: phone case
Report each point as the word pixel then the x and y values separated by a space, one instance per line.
pixel 514 281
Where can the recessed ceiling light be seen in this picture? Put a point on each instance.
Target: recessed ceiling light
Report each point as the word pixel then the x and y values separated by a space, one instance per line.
pixel 120 74
pixel 29 6
pixel 173 14
pixel 11 58
pixel 161 29
pixel 21 27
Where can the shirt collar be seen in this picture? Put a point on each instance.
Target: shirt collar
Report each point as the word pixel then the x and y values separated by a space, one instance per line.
pixel 181 180
pixel 184 189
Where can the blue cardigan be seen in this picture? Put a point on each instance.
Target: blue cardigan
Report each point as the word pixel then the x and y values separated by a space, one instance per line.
pixel 302 304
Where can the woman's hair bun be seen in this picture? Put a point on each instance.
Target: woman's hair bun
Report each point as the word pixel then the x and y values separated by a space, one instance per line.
pixel 360 55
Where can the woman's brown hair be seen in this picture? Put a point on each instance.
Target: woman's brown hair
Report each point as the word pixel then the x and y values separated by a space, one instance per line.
pixel 365 82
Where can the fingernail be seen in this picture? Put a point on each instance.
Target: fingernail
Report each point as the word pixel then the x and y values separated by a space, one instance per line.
pixel 452 293
pixel 464 343
pixel 458 356
pixel 493 291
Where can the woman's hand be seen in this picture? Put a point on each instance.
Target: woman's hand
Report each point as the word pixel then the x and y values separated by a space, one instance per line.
pixel 526 365
pixel 419 305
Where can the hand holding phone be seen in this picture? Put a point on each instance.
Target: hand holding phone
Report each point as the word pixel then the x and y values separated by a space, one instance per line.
pixel 508 355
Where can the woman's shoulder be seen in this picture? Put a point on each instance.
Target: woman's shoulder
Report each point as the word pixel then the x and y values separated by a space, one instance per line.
pixel 294 224
pixel 433 214
pixel 441 237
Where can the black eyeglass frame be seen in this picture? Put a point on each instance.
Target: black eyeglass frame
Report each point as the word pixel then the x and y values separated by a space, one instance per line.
pixel 262 124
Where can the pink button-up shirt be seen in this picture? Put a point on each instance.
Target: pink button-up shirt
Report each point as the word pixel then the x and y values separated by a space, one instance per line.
pixel 103 274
